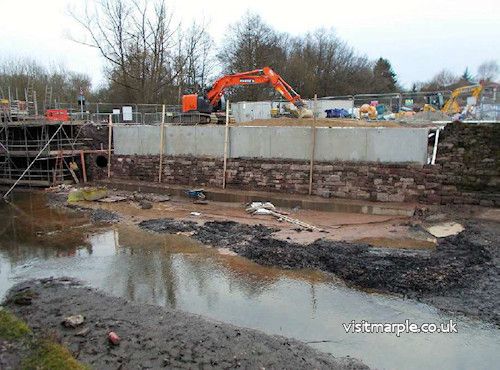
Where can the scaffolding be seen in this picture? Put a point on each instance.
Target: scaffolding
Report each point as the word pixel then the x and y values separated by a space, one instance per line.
pixel 40 152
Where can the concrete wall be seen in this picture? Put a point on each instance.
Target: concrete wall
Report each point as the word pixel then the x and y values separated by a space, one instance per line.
pixel 389 145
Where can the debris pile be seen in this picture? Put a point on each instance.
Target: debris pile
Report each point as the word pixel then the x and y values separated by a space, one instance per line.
pixel 267 208
pixel 424 117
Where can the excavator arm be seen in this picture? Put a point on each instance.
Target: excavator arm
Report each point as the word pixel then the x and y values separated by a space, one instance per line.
pixel 451 106
pixel 258 76
pixel 203 107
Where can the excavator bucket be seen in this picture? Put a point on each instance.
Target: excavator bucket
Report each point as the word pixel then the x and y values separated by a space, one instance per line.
pixel 298 111
pixel 305 113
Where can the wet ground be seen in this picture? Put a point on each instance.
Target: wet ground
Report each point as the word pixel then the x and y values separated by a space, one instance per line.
pixel 463 267
pixel 178 272
pixel 152 337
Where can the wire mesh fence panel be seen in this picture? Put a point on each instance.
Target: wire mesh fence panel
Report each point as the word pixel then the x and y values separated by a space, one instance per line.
pixel 392 102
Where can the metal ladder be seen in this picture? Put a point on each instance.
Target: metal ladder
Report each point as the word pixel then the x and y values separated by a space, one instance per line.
pixel 30 95
pixel 47 102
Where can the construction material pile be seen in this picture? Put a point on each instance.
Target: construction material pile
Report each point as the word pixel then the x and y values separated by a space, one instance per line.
pixel 425 117
pixel 319 122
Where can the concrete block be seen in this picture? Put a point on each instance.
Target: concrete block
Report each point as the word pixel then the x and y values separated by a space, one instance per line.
pixel 125 140
pixel 180 140
pixel 250 141
pixel 338 143
pixel 209 141
pixel 396 144
pixel 148 139
pixel 290 142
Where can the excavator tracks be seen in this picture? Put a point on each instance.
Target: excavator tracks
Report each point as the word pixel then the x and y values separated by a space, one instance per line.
pixel 192 118
pixel 196 118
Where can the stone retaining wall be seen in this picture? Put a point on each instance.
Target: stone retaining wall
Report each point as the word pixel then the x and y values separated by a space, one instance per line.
pixel 466 172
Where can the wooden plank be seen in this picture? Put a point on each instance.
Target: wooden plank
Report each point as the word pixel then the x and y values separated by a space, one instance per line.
pixel 162 133
pixel 110 134
pixel 84 169
pixel 313 144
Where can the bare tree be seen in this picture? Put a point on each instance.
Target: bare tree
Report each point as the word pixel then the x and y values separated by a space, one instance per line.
pixel 488 71
pixel 320 63
pixel 137 40
pixel 317 63
pixel 252 44
pixel 198 56
pixel 444 79
pixel 15 75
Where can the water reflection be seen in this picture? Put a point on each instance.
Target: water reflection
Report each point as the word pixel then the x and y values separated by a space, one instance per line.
pixel 162 269
pixel 175 271
pixel 29 229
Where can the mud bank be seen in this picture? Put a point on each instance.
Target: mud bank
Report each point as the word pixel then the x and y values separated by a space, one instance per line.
pixel 460 275
pixel 154 337
pixel 59 200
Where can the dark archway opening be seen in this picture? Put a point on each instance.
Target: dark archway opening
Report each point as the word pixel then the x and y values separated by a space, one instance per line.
pixel 101 161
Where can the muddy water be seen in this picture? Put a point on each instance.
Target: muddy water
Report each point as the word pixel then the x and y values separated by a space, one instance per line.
pixel 175 271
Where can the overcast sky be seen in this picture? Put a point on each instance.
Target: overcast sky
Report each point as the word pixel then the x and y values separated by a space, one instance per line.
pixel 418 37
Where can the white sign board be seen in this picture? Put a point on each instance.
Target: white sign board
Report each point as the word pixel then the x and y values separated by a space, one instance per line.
pixel 127 113
pixel 116 112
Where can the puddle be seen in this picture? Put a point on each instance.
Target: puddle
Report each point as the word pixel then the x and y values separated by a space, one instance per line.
pixel 399 243
pixel 175 271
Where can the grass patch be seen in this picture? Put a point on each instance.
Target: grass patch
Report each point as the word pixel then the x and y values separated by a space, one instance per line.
pixel 43 354
pixel 51 356
pixel 11 328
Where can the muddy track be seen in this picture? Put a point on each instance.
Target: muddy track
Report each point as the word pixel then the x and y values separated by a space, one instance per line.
pixel 460 275
pixel 155 337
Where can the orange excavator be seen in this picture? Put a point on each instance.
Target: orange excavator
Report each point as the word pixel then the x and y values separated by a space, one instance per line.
pixel 202 108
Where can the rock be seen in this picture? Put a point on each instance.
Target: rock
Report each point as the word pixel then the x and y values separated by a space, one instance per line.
pixel 73 321
pixel 137 196
pixel 144 204
pixel 112 199
pixel 155 198
pixel 445 229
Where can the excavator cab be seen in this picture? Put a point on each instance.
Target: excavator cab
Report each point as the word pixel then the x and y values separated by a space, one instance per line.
pixel 196 103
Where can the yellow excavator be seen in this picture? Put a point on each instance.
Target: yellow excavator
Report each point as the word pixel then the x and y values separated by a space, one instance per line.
pixel 451 106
